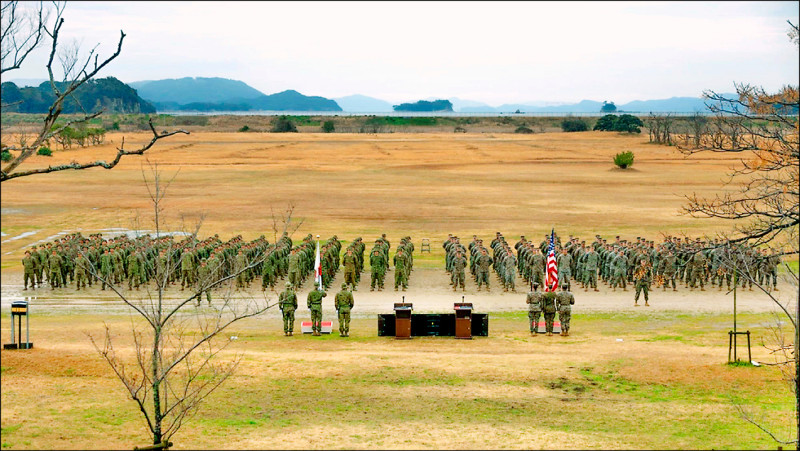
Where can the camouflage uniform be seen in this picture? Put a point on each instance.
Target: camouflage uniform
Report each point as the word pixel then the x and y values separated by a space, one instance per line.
pixel 549 309
pixel 565 300
pixel 458 265
pixel 81 271
pixel 377 263
pixel 590 270
pixel 288 303
pixel 483 263
pixel 344 303
pixel 643 277
pixel 29 263
pixel 315 305
pixel 350 262
pixel 534 301
pixel 400 275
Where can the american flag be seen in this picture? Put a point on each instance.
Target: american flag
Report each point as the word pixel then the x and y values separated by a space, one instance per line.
pixel 551 272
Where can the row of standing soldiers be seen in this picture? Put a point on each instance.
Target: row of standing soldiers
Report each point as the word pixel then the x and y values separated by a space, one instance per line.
pixel 195 264
pixel 672 262
pixel 550 303
pixel 617 264
pixel 480 262
pixel 344 303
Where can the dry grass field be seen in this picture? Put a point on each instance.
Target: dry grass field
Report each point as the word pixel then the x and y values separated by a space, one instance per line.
pixel 423 185
pixel 624 379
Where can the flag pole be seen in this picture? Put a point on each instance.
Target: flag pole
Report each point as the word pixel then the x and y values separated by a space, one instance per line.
pixel 317 267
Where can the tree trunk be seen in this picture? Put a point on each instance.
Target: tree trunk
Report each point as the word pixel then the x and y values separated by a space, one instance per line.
pixel 156 388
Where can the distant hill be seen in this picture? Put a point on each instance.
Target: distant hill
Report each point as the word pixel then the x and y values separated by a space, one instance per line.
pixel 673 104
pixel 186 90
pixel 358 103
pixel 108 94
pixel 23 82
pixel 291 100
pixel 682 104
pixel 222 94
pixel 283 101
pixel 424 105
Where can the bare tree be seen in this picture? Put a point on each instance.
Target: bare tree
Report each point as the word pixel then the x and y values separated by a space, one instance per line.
pixel 660 128
pixel 763 199
pixel 285 220
pixel 177 344
pixel 23 31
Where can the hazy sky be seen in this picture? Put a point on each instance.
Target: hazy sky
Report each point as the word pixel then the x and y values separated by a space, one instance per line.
pixel 498 52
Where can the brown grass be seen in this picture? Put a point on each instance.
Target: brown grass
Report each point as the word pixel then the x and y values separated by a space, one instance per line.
pixel 423 185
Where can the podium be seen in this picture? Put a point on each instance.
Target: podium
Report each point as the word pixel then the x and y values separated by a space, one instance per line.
pixel 402 320
pixel 20 309
pixel 463 319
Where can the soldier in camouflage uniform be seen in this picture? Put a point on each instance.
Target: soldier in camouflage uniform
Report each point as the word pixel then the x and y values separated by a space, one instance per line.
pixel 344 303
pixel 483 263
pixel 549 308
pixel 294 267
pixel 590 269
pixel 668 268
pixel 537 268
pixel 287 301
pixel 240 263
pixel 315 305
pixel 43 269
pixel 82 265
pixel 203 281
pixel 459 263
pixel 619 271
pixel 29 264
pixel 565 300
pixel 377 263
pixel 564 264
pixel 509 275
pixel 697 268
pixel 54 263
pixel 350 262
pixel 400 275
pixel 643 276
pixel 133 271
pixel 534 301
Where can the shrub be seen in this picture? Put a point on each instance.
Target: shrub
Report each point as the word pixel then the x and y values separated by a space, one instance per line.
pixel 44 150
pixel 328 127
pixel 623 160
pixel 459 129
pixel 625 123
pixel 6 155
pixel 244 128
pixel 282 124
pixel 115 125
pixel 523 129
pixel 628 124
pixel 606 123
pixel 574 125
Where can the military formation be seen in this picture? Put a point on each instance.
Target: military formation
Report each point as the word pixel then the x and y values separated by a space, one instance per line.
pixel 676 262
pixel 202 265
